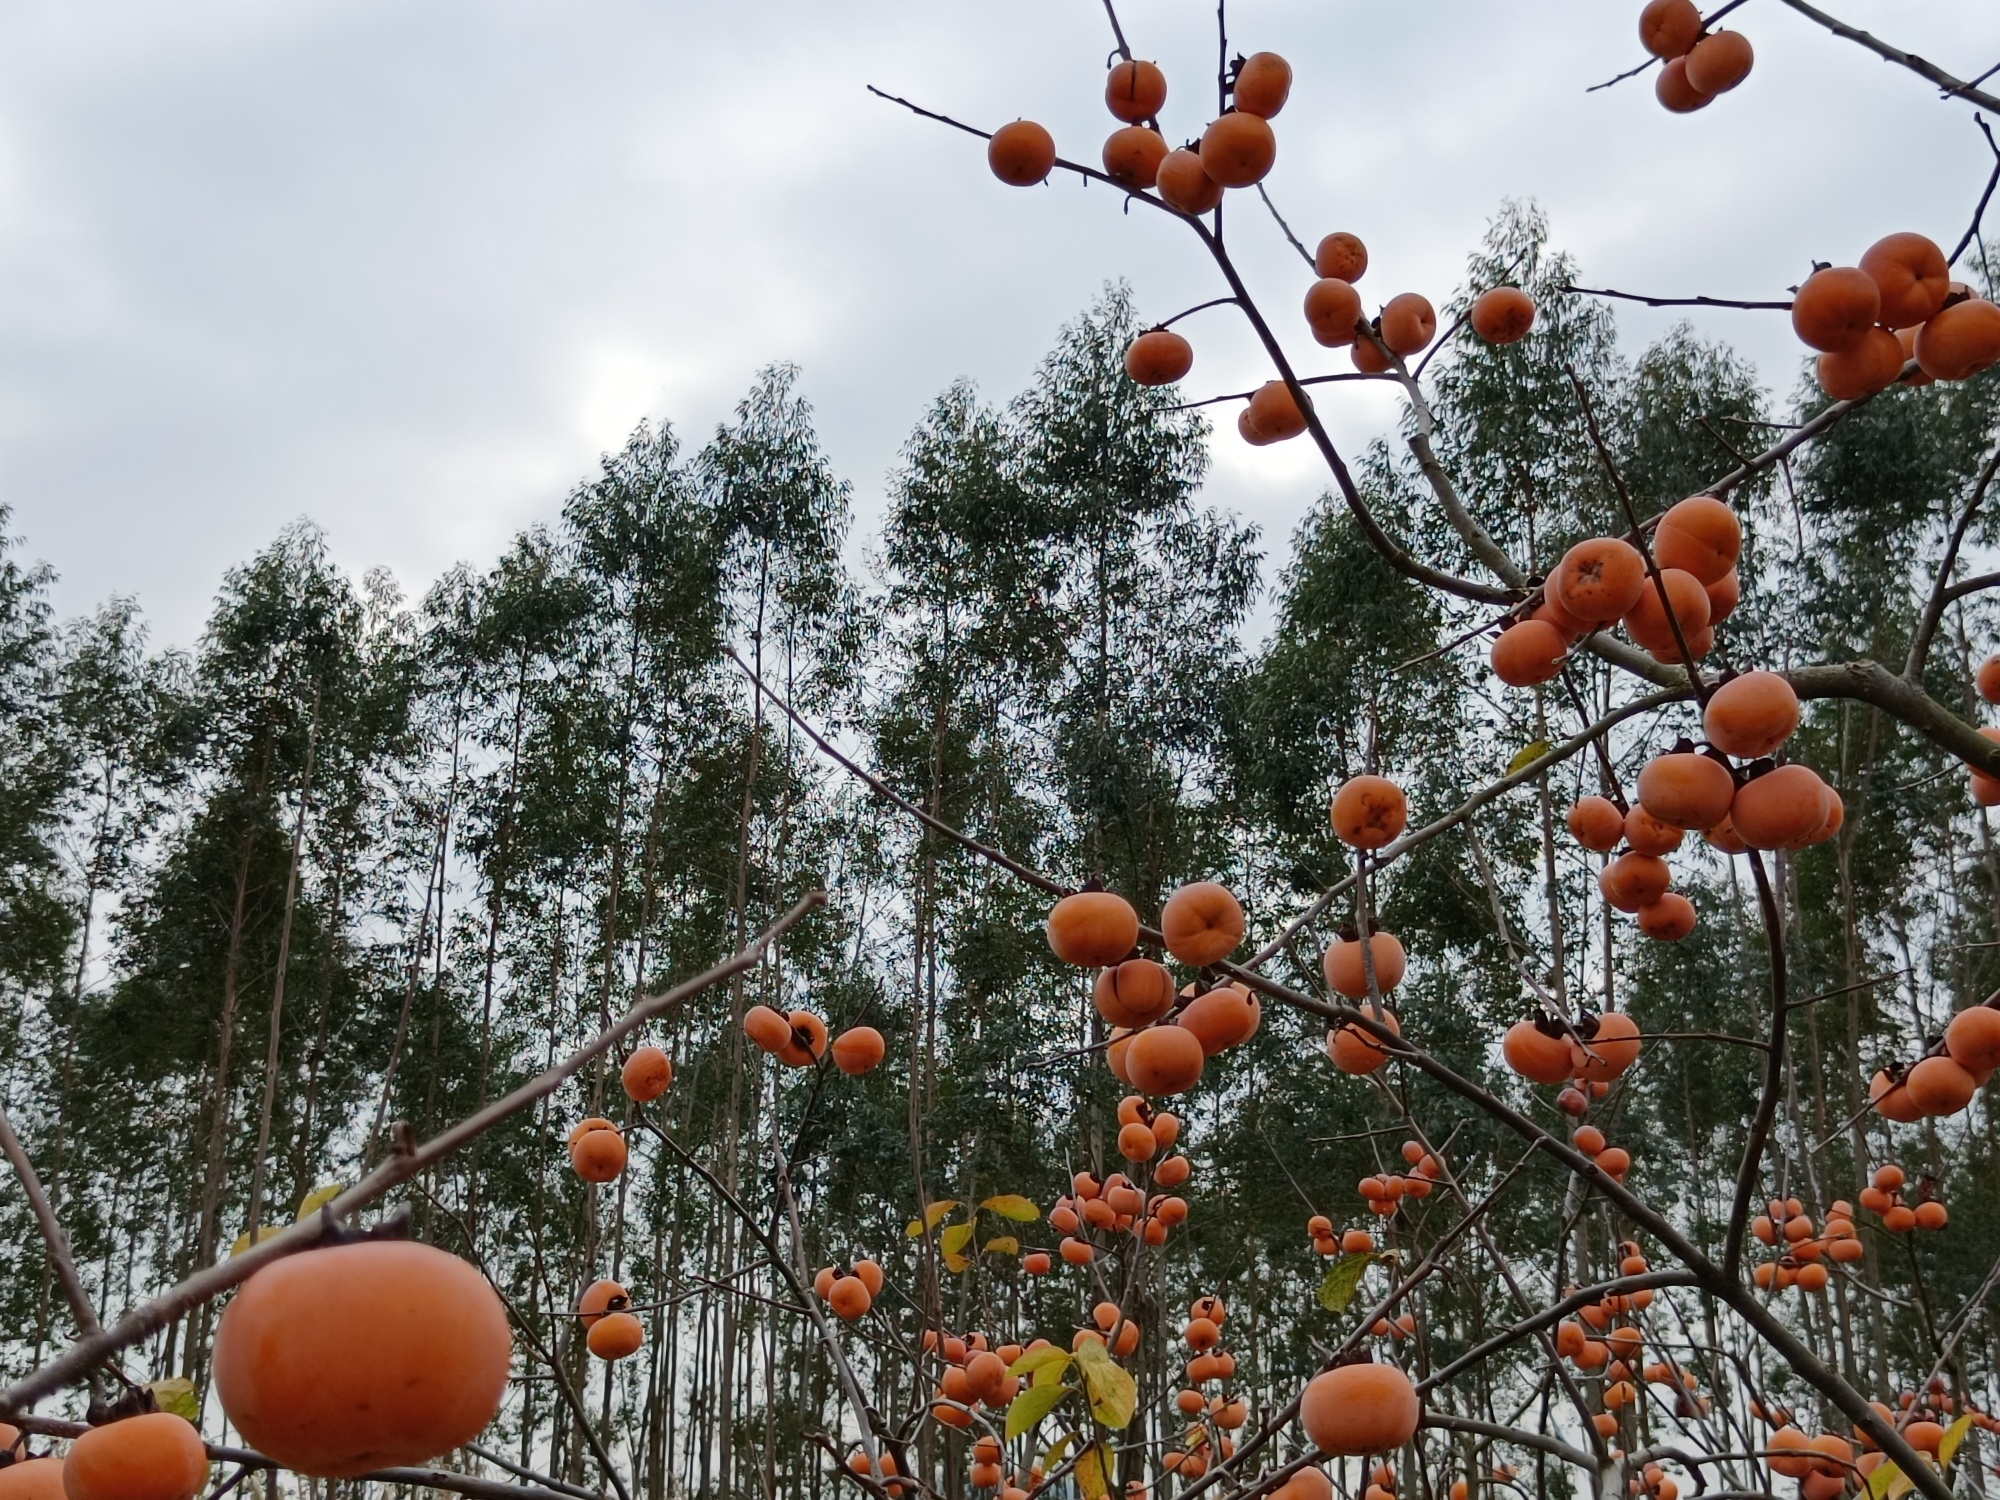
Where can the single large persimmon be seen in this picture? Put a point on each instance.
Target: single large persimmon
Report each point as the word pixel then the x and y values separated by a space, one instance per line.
pixel 1912 275
pixel 1751 715
pixel 1132 156
pixel 766 1027
pixel 1135 993
pixel 1685 789
pixel 1940 1085
pixel 1668 919
pixel 1610 1045
pixel 1634 880
pixel 807 1042
pixel 1987 678
pixel 1698 535
pixel 33 1479
pixel 157 1456
pixel 1836 307
pixel 1359 1409
pixel 360 1357
pixel 1668 28
pixel 1783 809
pixel 1597 824
pixel 1164 1059
pixel 598 1155
pixel 1409 323
pixel 1341 963
pixel 1333 308
pixel 1202 923
pixel 1960 341
pixel 1223 1018
pixel 616 1336
pixel 1537 1055
pixel 1158 356
pixel 1263 84
pixel 1674 91
pixel 858 1050
pixel 1185 184
pixel 1093 928
pixel 1529 652
pixel 1238 149
pixel 1973 1039
pixel 1369 811
pixel 647 1074
pixel 1600 579
pixel 1646 834
pixel 1892 1101
pixel 1356 1051
pixel 1021 154
pixel 1503 315
pixel 1135 91
pixel 1648 621
pixel 1341 256
pixel 599 1298
pixel 1870 367
pixel 1275 411
pixel 1719 61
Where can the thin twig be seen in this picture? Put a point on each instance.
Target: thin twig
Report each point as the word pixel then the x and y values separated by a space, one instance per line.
pixel 1593 291
pixel 1986 197
pixel 53 1238
pixel 1304 254
pixel 1950 85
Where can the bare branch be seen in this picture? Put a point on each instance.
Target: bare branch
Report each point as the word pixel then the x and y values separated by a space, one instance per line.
pixel 53 1238
pixel 1986 197
pixel 1592 291
pixel 1920 642
pixel 1950 85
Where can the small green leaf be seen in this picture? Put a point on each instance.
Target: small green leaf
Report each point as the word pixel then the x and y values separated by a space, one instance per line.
pixel 1002 1244
pixel 931 1216
pixel 954 1240
pixel 318 1198
pixel 1031 1405
pixel 178 1397
pixel 1090 1476
pixel 1527 755
pixel 1343 1280
pixel 1114 1394
pixel 1953 1436
pixel 1040 1359
pixel 1012 1206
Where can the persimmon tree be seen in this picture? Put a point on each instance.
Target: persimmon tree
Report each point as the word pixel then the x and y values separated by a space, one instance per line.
pixel 1641 1217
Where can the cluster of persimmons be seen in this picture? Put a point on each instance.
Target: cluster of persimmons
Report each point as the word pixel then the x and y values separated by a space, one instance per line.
pixel 1868 321
pixel 1697 63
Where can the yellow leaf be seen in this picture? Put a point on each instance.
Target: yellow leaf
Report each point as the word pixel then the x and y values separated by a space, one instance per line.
pixel 1527 755
pixel 1114 1394
pixel 1058 1451
pixel 1091 1478
pixel 931 1216
pixel 264 1232
pixel 318 1198
pixel 957 1263
pixel 1040 1359
pixel 1027 1409
pixel 1903 1485
pixel 1003 1244
pixel 954 1240
pixel 1343 1280
pixel 1012 1206
pixel 1953 1436
pixel 178 1397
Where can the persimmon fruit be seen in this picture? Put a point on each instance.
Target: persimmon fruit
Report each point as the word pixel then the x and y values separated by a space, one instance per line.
pixel 1835 308
pixel 1202 923
pixel 1912 276
pixel 859 1050
pixel 1358 1409
pixel 1238 150
pixel 1719 61
pixel 1332 309
pixel 1600 579
pixel 1537 1055
pixel 33 1479
pixel 1987 679
pixel 1093 928
pixel 1698 535
pixel 1668 919
pixel 1610 1046
pixel 1686 789
pixel 1134 993
pixel 1648 621
pixel 1870 367
pixel 1529 652
pixel 1021 153
pixel 598 1155
pixel 1675 92
pixel 1783 809
pixel 1973 1039
pixel 1135 91
pixel 156 1456
pixel 365 1356
pixel 1751 715
pixel 1341 963
pixel 1183 182
pixel 1132 156
pixel 1263 84
pixel 599 1298
pixel 1223 1018
pixel 1369 811
pixel 1158 357
pixel 647 1074
pixel 1646 834
pixel 1356 1051
pixel 1164 1060
pixel 1275 412
pixel 1960 341
pixel 1668 28
pixel 1503 315
pixel 1409 323
pixel 1341 256
pixel 1634 880
pixel 1597 824
pixel 1940 1086
pixel 616 1336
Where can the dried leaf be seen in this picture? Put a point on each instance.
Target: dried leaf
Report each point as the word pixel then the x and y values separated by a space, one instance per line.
pixel 1012 1206
pixel 1343 1280
pixel 1031 1405
pixel 1114 1394
pixel 931 1216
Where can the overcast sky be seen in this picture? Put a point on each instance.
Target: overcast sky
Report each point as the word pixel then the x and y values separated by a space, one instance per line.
pixel 407 266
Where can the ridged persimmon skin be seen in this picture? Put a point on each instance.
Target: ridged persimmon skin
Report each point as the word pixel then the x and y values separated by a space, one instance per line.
pixel 1202 923
pixel 1751 715
pixel 1688 790
pixel 1093 928
pixel 1600 579
pixel 1341 256
pixel 1136 992
pixel 1503 315
pixel 360 1357
pixel 1597 824
pixel 1409 323
pixel 157 1456
pixel 1784 809
pixel 1668 28
pixel 1238 150
pixel 1360 1409
pixel 1530 652
pixel 1912 275
pixel 1135 91
pixel 1158 357
pixel 1960 341
pixel 1369 811
pixel 1835 308
pixel 1341 964
pixel 1021 153
pixel 1869 368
